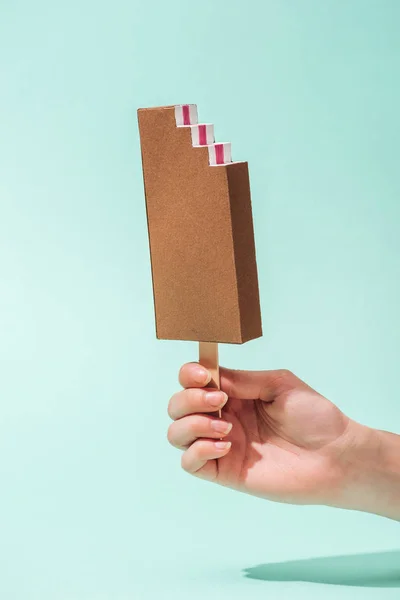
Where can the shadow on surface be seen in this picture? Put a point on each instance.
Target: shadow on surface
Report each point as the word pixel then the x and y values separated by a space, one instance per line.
pixel 381 569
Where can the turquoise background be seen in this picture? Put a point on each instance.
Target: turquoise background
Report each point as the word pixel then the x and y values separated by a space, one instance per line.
pixel 93 504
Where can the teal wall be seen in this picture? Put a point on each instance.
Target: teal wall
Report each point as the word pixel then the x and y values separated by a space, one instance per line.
pixel 93 504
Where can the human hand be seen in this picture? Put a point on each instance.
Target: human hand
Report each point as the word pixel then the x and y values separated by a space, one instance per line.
pixel 281 439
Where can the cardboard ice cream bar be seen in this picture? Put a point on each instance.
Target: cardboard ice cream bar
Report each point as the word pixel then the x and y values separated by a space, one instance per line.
pixel 200 230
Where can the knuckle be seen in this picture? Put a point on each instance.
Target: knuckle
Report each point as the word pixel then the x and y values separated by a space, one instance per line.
pixel 194 425
pixel 170 409
pixel 170 434
pixel 195 397
pixel 185 464
pixel 285 380
pixel 181 372
pixel 284 374
pixel 190 427
pixel 184 372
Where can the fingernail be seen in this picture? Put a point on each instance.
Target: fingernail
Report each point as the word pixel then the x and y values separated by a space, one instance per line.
pixel 200 375
pixel 216 399
pixel 221 426
pixel 222 445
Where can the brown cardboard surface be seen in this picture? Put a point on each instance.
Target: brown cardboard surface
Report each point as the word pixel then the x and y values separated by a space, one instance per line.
pixel 201 237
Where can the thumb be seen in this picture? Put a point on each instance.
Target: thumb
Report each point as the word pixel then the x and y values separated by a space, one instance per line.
pixel 256 385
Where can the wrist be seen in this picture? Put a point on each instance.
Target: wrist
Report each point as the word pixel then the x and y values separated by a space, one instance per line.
pixel 371 472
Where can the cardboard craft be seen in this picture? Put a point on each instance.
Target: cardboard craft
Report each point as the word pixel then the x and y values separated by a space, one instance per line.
pixel 200 230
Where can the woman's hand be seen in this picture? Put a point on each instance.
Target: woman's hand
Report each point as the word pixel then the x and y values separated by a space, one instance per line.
pixel 277 439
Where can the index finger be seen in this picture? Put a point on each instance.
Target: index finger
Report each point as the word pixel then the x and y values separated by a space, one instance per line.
pixel 194 375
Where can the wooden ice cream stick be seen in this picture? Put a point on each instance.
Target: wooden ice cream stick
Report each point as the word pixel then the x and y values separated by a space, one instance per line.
pixel 208 358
